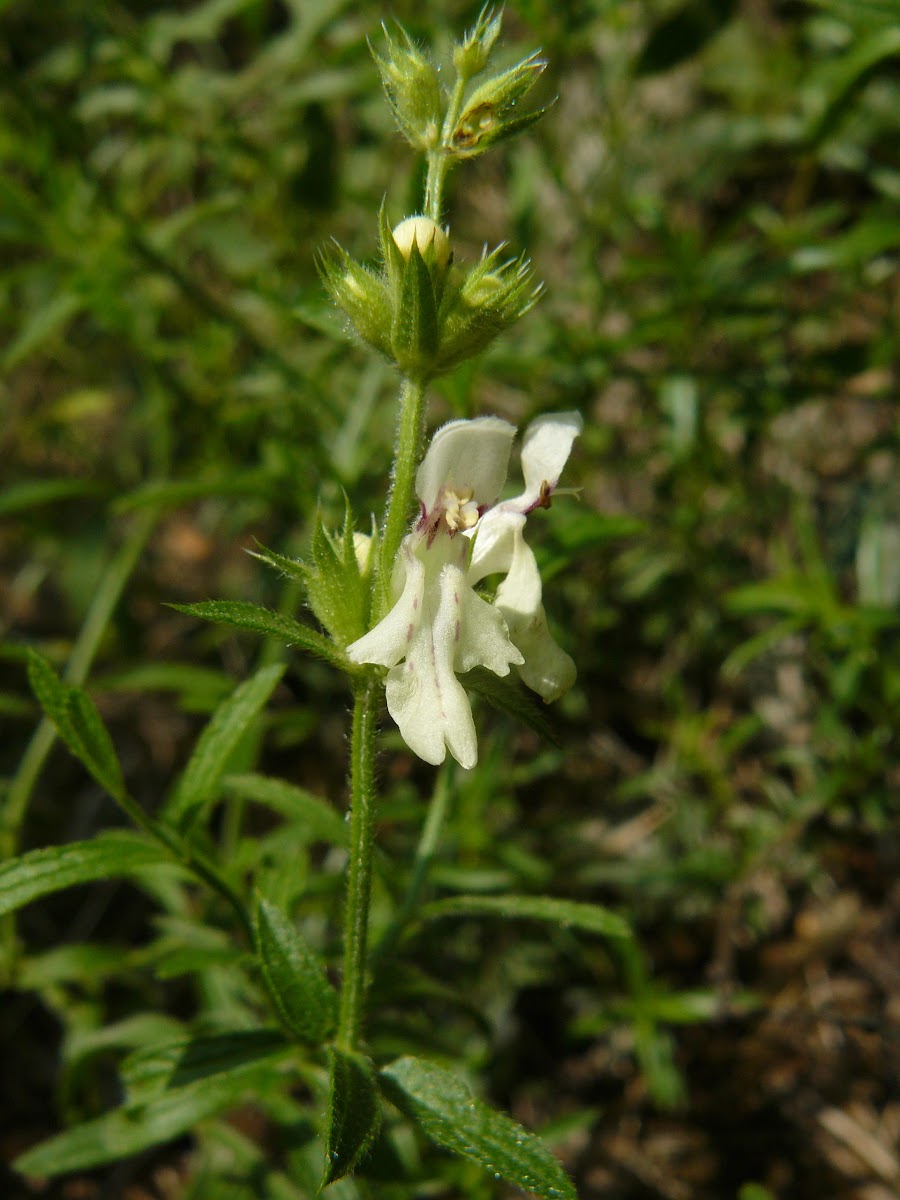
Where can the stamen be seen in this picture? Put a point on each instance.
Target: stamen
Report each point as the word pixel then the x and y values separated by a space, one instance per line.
pixel 460 512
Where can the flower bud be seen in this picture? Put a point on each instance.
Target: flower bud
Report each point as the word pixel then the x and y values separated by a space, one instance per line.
pixel 362 294
pixel 425 234
pixel 492 297
pixel 492 114
pixel 413 89
pixel 471 55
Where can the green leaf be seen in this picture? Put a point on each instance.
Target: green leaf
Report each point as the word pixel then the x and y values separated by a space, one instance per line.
pixel 133 1128
pixel 52 868
pixel 299 806
pixel 451 1116
pixel 78 724
pixel 199 689
pixel 148 1073
pixel 87 726
pixel 206 766
pixel 294 976
pixel 138 1030
pixel 241 615
pixel 354 1113
pixel 573 914
pixel 797 597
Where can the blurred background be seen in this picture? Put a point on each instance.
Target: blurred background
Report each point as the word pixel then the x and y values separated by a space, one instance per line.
pixel 712 202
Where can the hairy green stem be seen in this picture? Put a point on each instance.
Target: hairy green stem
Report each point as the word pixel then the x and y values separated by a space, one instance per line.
pixel 359 883
pixel 441 157
pixel 407 453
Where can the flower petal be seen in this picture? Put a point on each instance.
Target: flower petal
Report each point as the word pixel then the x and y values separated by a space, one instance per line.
pixel 466 454
pixel 545 449
pixel 482 638
pixel 424 696
pixel 389 641
pixel 546 669
pixel 495 539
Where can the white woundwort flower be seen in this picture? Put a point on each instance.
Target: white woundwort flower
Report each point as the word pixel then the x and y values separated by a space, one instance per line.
pixel 439 627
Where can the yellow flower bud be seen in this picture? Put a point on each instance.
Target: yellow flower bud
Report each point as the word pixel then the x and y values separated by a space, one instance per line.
pixel 424 233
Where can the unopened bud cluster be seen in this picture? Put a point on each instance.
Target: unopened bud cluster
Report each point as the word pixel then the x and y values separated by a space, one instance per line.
pixel 490 112
pixel 422 311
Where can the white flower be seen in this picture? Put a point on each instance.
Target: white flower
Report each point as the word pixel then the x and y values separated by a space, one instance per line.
pixel 439 627
pixel 424 233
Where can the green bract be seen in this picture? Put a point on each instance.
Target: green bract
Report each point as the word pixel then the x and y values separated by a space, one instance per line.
pixel 491 113
pixel 410 81
pixel 335 584
pixel 472 53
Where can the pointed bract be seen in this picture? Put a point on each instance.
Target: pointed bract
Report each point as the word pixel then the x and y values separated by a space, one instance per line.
pixel 472 53
pixel 492 113
pixel 411 84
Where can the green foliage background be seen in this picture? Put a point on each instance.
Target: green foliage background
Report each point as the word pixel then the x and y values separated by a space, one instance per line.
pixel 712 202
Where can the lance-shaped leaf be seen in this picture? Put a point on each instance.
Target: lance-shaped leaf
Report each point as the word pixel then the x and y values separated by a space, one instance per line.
pixel 573 914
pixel 78 723
pixel 198 785
pixel 306 1001
pixel 133 1128
pixel 321 822
pixel 52 868
pixel 354 1113
pixel 150 1071
pixel 451 1116
pixel 241 615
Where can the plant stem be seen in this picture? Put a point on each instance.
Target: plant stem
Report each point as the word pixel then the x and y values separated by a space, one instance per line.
pixel 441 157
pixel 407 453
pixel 359 883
